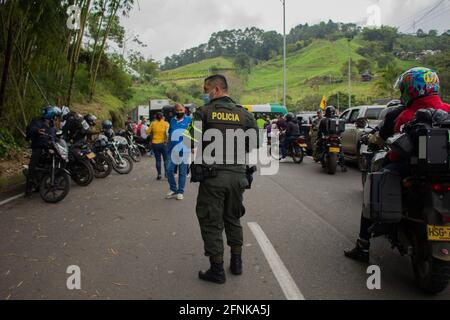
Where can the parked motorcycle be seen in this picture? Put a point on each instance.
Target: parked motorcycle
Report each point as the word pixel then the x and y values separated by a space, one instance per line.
pixel 102 163
pixel 114 149
pixel 414 213
pixel 79 166
pixel 132 147
pixel 52 179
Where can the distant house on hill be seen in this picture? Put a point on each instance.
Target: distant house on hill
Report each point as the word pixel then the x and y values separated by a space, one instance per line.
pixel 366 77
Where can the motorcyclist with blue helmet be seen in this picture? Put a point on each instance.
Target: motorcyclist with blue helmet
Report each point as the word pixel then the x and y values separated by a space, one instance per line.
pixel 40 132
pixel 107 129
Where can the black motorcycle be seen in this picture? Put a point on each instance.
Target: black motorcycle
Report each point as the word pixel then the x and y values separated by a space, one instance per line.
pixel 329 148
pixel 414 213
pixel 79 166
pixel 330 154
pixel 51 178
pixel 102 163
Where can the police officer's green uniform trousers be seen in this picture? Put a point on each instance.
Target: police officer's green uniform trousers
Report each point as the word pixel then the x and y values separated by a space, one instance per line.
pixel 219 207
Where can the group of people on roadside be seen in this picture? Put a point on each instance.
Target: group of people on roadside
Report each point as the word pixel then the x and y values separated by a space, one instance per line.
pixel 166 146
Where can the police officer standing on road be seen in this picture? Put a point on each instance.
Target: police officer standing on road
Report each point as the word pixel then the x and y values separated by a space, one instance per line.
pixel 223 183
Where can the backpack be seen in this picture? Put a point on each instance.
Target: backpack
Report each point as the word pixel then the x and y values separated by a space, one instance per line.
pixel 32 124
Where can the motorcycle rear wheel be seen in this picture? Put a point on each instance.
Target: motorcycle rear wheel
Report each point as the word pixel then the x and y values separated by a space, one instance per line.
pixel 432 275
pixel 331 163
pixel 82 173
pixel 297 154
pixel 103 166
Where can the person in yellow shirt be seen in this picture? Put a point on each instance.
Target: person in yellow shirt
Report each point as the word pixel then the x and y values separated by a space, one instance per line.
pixel 158 131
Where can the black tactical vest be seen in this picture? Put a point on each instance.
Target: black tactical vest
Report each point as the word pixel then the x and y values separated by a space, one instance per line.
pixel 228 119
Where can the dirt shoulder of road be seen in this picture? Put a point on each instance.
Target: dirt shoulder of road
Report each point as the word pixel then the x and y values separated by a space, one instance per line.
pixel 11 170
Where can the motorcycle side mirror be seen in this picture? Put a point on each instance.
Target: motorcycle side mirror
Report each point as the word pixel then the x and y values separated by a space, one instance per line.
pixel 361 123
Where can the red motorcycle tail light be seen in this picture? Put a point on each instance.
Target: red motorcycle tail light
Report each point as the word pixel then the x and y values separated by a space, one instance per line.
pixel 437 187
pixel 407 184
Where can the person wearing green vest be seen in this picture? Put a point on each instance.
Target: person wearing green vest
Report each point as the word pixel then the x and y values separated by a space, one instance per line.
pixel 261 122
pixel 222 182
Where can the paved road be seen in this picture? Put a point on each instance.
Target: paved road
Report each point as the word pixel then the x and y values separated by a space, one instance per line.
pixel 131 243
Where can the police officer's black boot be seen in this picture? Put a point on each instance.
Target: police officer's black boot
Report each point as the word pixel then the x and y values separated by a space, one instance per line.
pixel 236 261
pixel 236 264
pixel 360 252
pixel 216 274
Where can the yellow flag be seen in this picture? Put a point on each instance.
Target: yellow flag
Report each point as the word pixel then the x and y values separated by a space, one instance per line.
pixel 323 103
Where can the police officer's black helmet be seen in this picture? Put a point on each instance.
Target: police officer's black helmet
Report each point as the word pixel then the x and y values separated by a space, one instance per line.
pixel 107 125
pixel 90 119
pixel 330 112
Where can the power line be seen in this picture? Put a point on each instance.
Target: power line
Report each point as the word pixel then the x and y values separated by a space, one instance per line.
pixel 412 22
pixel 430 18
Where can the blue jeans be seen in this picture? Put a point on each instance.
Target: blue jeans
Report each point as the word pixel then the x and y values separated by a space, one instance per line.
pixel 182 174
pixel 160 150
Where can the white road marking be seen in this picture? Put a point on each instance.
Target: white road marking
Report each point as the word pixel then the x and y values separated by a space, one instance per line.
pixel 284 278
pixel 11 199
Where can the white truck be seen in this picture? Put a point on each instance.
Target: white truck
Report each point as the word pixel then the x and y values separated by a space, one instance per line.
pixel 148 111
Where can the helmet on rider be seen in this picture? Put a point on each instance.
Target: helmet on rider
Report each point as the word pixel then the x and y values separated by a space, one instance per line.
pixel 107 125
pixel 90 119
pixel 417 83
pixel 290 116
pixel 330 112
pixel 51 113
pixel 394 103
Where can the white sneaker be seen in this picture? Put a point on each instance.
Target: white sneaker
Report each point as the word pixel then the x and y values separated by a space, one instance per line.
pixel 180 197
pixel 171 195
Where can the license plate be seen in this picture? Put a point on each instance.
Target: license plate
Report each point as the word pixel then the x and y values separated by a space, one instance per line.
pixel 91 156
pixel 335 150
pixel 302 145
pixel 436 233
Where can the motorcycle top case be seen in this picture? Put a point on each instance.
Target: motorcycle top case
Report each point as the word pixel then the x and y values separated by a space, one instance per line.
pixel 383 197
pixel 433 150
pixel 336 126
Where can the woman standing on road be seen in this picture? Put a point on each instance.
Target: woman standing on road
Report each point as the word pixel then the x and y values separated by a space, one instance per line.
pixel 158 130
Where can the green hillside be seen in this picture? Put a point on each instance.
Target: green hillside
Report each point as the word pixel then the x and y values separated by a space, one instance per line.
pixel 197 70
pixel 315 70
pixel 321 58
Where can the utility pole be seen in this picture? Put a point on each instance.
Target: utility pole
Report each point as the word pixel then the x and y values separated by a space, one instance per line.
pixel 284 51
pixel 349 74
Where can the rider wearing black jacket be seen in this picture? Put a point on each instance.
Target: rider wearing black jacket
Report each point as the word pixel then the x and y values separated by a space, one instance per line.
pixel 330 113
pixel 386 130
pixel 292 133
pixel 41 132
pixel 76 127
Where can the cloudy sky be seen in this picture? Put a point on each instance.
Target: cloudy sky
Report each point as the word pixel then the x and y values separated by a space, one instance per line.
pixel 169 26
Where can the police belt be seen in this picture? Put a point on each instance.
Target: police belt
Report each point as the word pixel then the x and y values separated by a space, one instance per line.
pixel 201 172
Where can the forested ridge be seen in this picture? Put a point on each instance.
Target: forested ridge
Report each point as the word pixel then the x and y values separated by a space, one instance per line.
pixel 78 53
